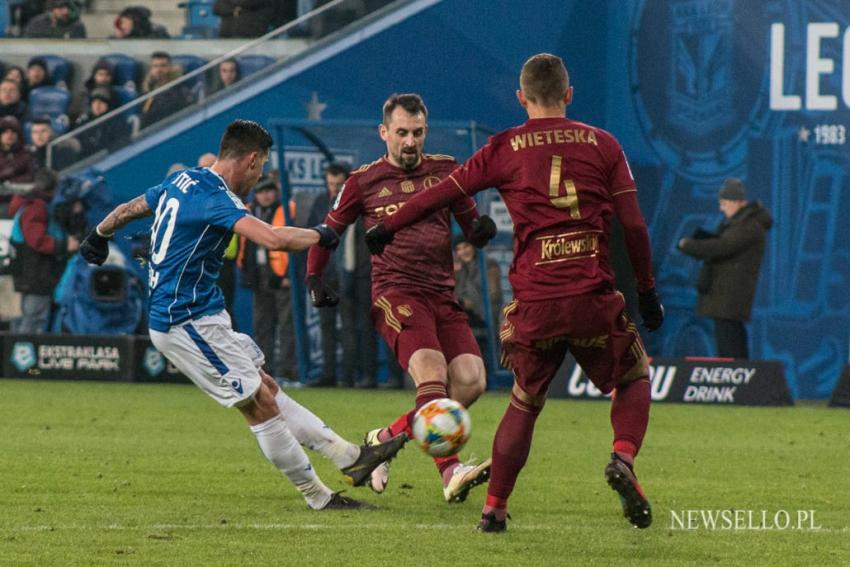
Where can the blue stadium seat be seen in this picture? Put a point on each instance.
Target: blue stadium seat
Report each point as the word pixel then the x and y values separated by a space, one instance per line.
pixel 125 95
pixel 190 63
pixel 60 69
pixel 125 70
pixel 49 101
pixel 250 64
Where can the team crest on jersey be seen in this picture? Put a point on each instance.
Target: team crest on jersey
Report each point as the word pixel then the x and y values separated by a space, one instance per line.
pixel 430 181
pixel 407 186
pixel 385 192
pixel 404 310
pixel 338 197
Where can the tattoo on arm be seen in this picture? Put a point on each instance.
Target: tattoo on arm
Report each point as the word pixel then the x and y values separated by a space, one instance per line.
pixel 123 214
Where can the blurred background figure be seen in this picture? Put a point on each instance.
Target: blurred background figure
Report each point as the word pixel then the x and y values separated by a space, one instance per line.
pixel 252 18
pixel 335 176
pixel 37 74
pixel 266 273
pixel 63 154
pixel 41 251
pixel 11 102
pixel 732 257
pixel 134 22
pixel 468 289
pixel 61 20
pixel 16 163
pixel 160 73
pixel 107 135
pixel 227 74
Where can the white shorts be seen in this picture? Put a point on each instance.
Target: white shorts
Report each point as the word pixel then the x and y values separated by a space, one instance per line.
pixel 220 361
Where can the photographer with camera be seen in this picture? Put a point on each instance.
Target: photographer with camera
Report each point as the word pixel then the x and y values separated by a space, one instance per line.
pixel 41 249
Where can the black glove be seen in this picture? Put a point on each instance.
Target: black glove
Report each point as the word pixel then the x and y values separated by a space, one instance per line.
pixel 95 248
pixel 651 310
pixel 483 230
pixel 377 238
pixel 328 238
pixel 275 281
pixel 320 294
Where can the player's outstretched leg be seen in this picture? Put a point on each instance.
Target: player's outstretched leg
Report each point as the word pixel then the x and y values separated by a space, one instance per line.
pixel 510 452
pixel 282 449
pixel 629 419
pixel 355 463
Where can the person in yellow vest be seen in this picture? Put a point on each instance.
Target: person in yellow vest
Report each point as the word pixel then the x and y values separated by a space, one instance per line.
pixel 266 273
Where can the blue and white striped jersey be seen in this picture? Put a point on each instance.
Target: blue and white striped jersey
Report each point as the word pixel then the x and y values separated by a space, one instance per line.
pixel 195 213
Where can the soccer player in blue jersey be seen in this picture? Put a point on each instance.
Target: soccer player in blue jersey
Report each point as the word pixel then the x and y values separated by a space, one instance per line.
pixel 196 211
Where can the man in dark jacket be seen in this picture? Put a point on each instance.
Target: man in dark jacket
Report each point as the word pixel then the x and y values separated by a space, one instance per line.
pixel 252 18
pixel 16 163
pixel 41 250
pixel 58 22
pixel 732 255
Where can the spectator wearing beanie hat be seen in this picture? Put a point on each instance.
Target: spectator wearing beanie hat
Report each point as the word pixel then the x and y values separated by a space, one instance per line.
pixel 732 257
pixel 106 135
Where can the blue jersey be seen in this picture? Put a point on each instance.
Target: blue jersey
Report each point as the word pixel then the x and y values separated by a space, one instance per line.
pixel 195 213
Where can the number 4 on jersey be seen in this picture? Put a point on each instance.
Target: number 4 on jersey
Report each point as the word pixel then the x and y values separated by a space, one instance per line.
pixel 568 201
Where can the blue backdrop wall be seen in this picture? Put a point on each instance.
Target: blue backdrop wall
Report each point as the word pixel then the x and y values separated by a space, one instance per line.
pixel 696 91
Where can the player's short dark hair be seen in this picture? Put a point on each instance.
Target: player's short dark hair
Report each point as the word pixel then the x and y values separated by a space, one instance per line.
pixel 161 55
pixel 337 168
pixel 544 79
pixel 411 102
pixel 243 137
pixel 42 120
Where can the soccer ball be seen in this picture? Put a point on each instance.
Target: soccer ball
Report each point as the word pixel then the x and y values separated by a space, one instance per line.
pixel 442 427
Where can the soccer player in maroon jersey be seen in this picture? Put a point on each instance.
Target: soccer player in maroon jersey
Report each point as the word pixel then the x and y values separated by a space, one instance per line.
pixel 413 281
pixel 561 181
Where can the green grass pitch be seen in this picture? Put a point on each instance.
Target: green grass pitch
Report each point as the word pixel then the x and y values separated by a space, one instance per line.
pixel 125 474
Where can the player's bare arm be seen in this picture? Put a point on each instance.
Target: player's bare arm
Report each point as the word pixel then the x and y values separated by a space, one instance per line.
pixel 123 214
pixel 95 247
pixel 286 238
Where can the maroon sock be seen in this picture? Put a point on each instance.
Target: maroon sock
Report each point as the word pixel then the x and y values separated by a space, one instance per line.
pixel 400 425
pixel 425 392
pixel 629 417
pixel 510 449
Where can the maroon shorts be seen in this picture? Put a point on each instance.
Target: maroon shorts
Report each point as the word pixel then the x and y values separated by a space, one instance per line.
pixel 594 327
pixel 412 319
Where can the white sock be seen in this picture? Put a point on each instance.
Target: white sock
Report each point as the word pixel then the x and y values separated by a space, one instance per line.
pixel 281 448
pixel 311 432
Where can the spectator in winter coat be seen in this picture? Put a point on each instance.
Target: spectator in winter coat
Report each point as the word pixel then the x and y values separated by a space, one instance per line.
pixel 108 135
pixel 134 22
pixel 10 100
pixel 58 22
pixel 16 164
pixel 162 72
pixel 250 18
pixel 732 256
pixel 41 250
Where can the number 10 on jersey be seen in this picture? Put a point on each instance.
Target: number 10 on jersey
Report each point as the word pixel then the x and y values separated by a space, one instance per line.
pixel 166 209
pixel 568 201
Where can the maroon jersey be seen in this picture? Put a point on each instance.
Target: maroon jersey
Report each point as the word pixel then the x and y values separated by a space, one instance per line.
pixel 561 181
pixel 420 255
